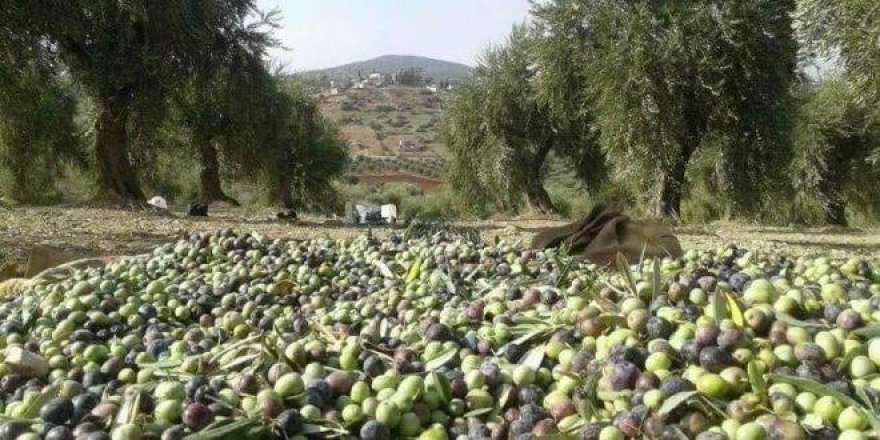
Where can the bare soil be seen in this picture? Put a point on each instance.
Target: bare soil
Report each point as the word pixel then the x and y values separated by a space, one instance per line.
pixel 425 183
pixel 87 232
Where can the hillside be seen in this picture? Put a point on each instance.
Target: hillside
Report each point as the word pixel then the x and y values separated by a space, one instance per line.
pixel 376 121
pixel 390 64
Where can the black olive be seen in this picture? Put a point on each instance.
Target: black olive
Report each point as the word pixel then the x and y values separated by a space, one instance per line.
pixel 12 429
pixel 373 430
pixel 57 411
pixel 174 432
pixel 196 416
pixel 97 435
pixel 715 359
pixel 658 328
pixel 624 375
pixel 59 433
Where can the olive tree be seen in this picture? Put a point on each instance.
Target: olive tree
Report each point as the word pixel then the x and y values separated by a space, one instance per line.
pixel 848 32
pixel 125 55
pixel 561 51
pixel 305 153
pixel 222 114
pixel 38 134
pixel 833 138
pixel 517 109
pixel 667 77
pixel 477 169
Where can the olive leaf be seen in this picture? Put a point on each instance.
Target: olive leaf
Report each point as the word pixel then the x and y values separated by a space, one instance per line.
pixel 719 304
pixel 563 274
pixel 788 319
pixel 507 392
pixel 642 256
pixel 675 432
pixel 588 403
pixel 733 307
pixel 384 270
pixel 674 401
pixel 711 407
pixel 613 395
pixel 231 430
pixel 450 286
pixel 414 271
pixel 611 320
pixel 441 360
pixel 850 355
pixel 625 271
pixel 756 379
pixel 812 422
pixel 239 362
pixel 534 357
pixel 31 409
pixel 865 398
pixel 478 412
pixel 162 363
pixel 867 332
pixel 533 334
pixel 824 390
pixel 656 279
pixel 442 384
pixel 130 407
pixel 5 418
pixel 310 428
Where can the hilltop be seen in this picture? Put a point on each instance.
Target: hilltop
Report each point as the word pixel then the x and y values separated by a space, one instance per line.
pixel 439 70
pixel 393 131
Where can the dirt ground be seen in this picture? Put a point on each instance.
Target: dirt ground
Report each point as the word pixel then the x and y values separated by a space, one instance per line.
pixel 86 232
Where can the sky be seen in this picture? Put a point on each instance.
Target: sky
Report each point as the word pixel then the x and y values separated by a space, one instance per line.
pixel 327 33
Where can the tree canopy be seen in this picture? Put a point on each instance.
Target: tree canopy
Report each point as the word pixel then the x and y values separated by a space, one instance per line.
pixel 667 77
pixel 38 134
pixel 833 139
pixel 502 127
pixel 126 56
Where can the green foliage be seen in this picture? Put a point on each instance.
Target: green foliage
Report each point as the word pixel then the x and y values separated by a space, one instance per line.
pixel 561 52
pixel 687 73
pixel 127 57
pixel 834 136
pixel 477 167
pixel 307 152
pixel 38 134
pixel 502 126
pixel 849 31
pixel 409 77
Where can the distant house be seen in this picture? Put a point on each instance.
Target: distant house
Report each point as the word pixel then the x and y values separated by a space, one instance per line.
pixel 432 88
pixel 334 91
pixel 376 79
pixel 408 146
pixel 358 84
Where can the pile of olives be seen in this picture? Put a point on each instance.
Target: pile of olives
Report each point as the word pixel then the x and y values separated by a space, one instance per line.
pixel 230 335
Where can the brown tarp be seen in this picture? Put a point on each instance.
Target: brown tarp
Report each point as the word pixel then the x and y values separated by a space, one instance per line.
pixel 605 232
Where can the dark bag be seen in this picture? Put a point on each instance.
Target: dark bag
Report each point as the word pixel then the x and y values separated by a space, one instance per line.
pixel 604 233
pixel 374 214
pixel 197 210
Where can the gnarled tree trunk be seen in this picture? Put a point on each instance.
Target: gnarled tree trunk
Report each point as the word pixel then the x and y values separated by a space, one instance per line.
pixel 671 188
pixel 536 195
pixel 210 189
pixel 538 198
pixel 117 179
pixel 282 194
pixel 835 212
